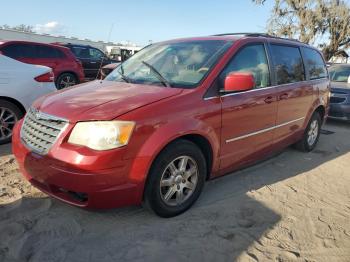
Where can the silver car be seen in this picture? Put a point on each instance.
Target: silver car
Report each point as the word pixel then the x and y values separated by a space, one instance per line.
pixel 20 85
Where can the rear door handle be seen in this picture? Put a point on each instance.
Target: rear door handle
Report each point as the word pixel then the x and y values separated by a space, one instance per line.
pixel 284 96
pixel 269 100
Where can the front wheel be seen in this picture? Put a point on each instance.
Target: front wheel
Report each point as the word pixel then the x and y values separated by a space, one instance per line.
pixel 176 179
pixel 311 134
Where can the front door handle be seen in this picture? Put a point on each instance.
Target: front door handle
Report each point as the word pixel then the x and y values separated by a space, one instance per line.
pixel 284 96
pixel 269 100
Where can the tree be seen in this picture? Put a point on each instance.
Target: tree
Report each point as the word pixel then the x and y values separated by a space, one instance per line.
pixel 21 28
pixel 325 23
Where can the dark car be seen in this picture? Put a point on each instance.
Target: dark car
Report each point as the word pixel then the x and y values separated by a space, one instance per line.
pixel 340 92
pixel 67 69
pixel 91 58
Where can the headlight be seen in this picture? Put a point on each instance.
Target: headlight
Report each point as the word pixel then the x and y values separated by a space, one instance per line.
pixel 102 135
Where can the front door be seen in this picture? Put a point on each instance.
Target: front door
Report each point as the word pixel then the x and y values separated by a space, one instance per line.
pixel 249 117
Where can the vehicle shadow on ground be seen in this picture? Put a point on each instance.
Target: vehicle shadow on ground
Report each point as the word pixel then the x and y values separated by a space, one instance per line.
pixel 221 226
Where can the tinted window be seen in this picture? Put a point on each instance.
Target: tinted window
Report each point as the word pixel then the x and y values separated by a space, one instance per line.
pixel 12 51
pixel 81 52
pixel 339 73
pixel 96 54
pixel 251 59
pixel 288 64
pixel 20 51
pixel 48 52
pixel 315 64
pixel 28 51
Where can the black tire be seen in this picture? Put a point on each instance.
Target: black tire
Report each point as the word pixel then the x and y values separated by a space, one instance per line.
pixel 6 121
pixel 153 197
pixel 66 80
pixel 304 144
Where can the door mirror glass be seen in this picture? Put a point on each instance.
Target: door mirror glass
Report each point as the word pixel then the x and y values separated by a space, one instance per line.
pixel 239 81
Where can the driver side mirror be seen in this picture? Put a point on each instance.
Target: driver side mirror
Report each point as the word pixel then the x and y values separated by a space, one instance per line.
pixel 239 81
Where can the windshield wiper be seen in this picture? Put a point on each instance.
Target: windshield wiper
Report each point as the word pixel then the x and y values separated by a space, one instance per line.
pixel 124 77
pixel 159 76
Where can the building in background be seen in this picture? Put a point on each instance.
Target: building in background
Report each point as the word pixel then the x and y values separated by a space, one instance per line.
pixel 109 48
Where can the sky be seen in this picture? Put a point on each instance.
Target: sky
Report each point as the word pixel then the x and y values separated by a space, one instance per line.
pixel 137 21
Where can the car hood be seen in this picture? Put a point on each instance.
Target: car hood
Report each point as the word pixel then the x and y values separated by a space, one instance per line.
pixel 340 87
pixel 101 100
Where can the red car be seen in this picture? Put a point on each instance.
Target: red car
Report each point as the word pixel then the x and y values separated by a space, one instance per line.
pixel 171 117
pixel 67 69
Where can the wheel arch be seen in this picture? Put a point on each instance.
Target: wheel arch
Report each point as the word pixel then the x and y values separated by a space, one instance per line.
pixel 198 132
pixel 321 110
pixel 199 140
pixel 15 102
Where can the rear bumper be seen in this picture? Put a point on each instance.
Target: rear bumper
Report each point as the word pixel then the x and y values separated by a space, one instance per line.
pixel 89 186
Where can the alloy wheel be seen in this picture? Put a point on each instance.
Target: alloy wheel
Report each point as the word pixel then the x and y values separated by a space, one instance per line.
pixel 66 81
pixel 8 120
pixel 179 180
pixel 313 132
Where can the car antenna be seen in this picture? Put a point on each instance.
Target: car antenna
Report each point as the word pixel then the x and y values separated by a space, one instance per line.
pixel 101 63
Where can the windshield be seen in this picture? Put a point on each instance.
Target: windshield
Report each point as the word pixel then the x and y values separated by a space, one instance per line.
pixel 339 73
pixel 180 64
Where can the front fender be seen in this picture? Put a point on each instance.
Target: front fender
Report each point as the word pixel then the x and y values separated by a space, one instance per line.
pixel 161 137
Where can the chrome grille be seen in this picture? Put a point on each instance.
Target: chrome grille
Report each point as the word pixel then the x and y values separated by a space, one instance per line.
pixel 40 131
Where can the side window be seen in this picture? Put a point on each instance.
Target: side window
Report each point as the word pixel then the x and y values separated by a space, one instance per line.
pixel 96 54
pixel 12 51
pixel 314 64
pixel 59 54
pixel 28 51
pixel 46 52
pixel 288 64
pixel 81 52
pixel 251 59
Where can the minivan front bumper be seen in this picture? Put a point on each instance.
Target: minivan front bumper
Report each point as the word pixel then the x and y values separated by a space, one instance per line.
pixel 92 186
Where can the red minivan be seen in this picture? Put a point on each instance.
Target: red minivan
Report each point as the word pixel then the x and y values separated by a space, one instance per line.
pixel 172 116
pixel 67 69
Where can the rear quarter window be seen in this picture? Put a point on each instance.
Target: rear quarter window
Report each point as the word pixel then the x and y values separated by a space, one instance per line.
pixel 288 64
pixel 314 64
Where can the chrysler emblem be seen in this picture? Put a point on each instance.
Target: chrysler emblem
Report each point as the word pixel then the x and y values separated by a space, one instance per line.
pixel 37 113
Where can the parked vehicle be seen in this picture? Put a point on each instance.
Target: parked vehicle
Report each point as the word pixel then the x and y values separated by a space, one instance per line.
pixel 20 85
pixel 67 69
pixel 172 116
pixel 340 92
pixel 121 54
pixel 91 58
pixel 107 69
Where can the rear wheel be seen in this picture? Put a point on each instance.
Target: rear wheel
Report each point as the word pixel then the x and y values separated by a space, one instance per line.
pixel 9 115
pixel 66 80
pixel 176 179
pixel 311 135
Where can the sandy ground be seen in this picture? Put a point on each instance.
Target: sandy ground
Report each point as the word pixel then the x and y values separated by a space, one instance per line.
pixel 293 207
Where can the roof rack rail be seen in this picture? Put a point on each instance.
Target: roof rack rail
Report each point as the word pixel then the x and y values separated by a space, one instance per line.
pixel 256 35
